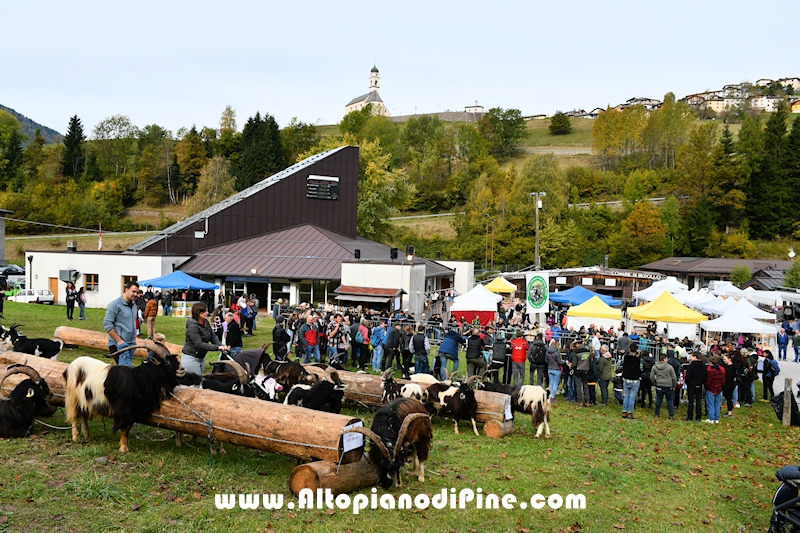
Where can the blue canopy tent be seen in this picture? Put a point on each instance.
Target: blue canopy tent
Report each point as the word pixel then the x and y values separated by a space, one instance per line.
pixel 579 295
pixel 178 280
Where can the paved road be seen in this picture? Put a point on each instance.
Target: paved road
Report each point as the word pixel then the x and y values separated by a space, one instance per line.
pixel 557 150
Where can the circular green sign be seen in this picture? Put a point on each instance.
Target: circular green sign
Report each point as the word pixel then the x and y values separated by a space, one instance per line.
pixel 537 292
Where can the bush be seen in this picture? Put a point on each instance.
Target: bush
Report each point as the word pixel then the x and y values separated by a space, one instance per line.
pixel 560 124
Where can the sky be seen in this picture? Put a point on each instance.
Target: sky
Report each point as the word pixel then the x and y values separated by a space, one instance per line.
pixel 178 64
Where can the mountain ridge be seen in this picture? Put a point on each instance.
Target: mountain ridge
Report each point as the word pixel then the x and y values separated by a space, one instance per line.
pixel 30 126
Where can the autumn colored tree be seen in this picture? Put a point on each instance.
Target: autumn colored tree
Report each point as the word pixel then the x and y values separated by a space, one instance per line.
pixel 641 239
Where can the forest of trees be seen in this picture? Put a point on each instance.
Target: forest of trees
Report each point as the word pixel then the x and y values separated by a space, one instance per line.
pixel 721 190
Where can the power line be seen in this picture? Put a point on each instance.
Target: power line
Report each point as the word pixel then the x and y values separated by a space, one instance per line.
pixel 46 224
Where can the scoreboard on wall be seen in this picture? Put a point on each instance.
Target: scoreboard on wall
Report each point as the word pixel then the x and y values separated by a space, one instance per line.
pixel 322 187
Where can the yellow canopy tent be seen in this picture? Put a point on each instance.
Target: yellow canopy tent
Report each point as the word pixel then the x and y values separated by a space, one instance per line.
pixel 501 285
pixel 594 308
pixel 666 308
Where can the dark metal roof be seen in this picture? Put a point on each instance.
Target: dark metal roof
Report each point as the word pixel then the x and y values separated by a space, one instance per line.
pixel 370 97
pixel 300 252
pixel 716 266
pixel 766 279
pixel 368 291
pixel 241 197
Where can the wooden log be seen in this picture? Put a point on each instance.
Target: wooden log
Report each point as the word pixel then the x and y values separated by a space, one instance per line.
pixel 786 419
pixel 99 340
pixel 366 389
pixel 250 422
pixel 323 475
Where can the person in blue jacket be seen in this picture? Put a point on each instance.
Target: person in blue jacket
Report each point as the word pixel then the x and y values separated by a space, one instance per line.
pixel 449 350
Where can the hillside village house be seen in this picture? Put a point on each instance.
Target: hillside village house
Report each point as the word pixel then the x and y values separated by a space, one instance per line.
pixel 287 236
pixel 795 106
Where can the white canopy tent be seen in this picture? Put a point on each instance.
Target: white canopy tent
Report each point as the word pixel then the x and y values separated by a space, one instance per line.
pixel 746 308
pixel 670 284
pixel 737 323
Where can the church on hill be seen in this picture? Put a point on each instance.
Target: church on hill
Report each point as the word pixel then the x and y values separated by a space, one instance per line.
pixel 372 97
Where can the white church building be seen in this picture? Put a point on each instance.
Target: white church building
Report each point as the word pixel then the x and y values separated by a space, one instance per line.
pixel 372 97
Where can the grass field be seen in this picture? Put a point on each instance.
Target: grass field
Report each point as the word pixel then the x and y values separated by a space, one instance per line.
pixel 539 134
pixel 637 475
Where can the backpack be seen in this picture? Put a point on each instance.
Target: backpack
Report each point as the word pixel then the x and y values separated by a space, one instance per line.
pixel 311 337
pixel 359 337
pixel 539 354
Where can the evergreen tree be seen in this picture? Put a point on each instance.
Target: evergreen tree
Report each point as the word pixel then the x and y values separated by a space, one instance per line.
pixel 74 153
pixel 726 141
pixel 699 226
pixel 191 157
pixel 11 139
pixel 767 189
pixel 261 151
pixel 560 124
pixel 791 165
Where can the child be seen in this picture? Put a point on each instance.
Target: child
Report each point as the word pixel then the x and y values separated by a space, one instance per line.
pixel 618 390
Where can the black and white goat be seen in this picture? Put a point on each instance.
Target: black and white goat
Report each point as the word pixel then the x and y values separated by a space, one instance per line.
pixel 46 348
pixel 28 400
pixel 126 394
pixel 532 399
pixel 456 401
pixel 400 429
pixel 393 390
pixel 327 395
pixel 535 400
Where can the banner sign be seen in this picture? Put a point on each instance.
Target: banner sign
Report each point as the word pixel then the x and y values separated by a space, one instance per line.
pixel 537 286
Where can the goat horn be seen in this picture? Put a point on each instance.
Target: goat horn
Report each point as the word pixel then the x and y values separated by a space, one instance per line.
pixel 241 373
pixel 332 375
pixel 161 351
pixel 484 374
pixel 387 373
pixel 28 371
pixel 401 435
pixel 371 435
pixel 470 380
pixel 452 375
pixel 133 347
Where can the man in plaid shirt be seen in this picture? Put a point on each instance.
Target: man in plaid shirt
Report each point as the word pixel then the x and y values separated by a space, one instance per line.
pixel 715 380
pixel 338 339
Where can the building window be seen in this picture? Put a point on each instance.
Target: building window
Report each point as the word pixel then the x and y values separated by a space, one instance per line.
pixel 91 282
pixel 126 280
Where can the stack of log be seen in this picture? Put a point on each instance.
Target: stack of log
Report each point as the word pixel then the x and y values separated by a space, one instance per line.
pixel 99 340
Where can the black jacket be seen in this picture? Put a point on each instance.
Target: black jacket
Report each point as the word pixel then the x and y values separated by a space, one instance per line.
pixel 696 374
pixel 474 347
pixel 393 339
pixel 234 336
pixel 279 339
pixel 630 367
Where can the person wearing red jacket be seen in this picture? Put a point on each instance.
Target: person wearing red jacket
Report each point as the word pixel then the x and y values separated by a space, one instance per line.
pixel 715 380
pixel 519 351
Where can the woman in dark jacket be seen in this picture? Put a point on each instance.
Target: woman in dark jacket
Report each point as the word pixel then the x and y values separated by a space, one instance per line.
pixel 280 339
pixel 695 378
pixel 730 383
pixel 449 350
pixel 199 340
pixel 631 374
pixel 233 334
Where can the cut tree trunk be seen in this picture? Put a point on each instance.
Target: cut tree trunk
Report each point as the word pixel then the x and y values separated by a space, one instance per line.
pixel 99 340
pixel 323 475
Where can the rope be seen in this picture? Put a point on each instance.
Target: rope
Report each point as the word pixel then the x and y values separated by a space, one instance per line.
pixel 52 427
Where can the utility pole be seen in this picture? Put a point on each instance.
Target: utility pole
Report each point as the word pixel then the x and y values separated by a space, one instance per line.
pixel 537 196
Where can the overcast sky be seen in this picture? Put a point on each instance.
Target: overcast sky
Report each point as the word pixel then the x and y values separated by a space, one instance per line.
pixel 180 63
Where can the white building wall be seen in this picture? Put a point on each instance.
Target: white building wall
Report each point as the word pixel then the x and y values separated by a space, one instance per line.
pixel 410 278
pixel 464 280
pixel 109 266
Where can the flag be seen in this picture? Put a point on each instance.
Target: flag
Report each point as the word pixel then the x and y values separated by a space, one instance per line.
pixel 100 241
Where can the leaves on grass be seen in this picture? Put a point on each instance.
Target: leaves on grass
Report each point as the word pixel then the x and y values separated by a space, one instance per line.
pixel 135 507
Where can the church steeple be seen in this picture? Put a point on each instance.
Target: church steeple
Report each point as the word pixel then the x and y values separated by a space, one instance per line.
pixel 374 80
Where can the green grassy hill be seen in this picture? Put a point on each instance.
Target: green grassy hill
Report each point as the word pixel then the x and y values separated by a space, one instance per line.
pixel 29 127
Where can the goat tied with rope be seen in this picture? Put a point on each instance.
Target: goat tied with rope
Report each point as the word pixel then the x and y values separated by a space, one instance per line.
pixel 126 394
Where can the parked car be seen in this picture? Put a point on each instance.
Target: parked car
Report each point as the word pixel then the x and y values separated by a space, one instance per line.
pixel 13 289
pixel 34 296
pixel 11 274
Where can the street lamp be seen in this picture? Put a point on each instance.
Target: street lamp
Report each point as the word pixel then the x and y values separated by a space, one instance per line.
pixel 538 198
